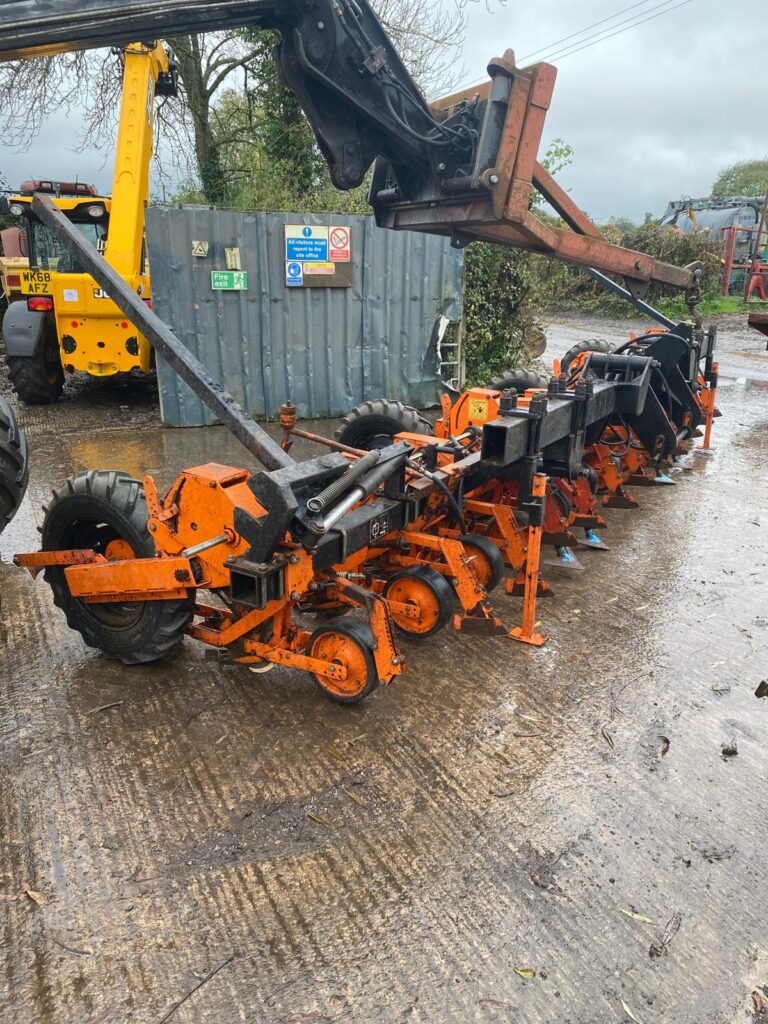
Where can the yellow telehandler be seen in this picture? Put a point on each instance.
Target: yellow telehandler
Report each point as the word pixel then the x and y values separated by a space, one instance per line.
pixel 65 322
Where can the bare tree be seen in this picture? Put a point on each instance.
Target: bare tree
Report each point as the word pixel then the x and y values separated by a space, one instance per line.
pixel 86 86
pixel 428 37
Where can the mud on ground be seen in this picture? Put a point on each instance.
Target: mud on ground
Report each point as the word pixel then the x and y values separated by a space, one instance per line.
pixel 502 835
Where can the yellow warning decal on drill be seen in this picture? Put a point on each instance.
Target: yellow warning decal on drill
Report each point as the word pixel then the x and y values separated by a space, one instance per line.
pixel 478 409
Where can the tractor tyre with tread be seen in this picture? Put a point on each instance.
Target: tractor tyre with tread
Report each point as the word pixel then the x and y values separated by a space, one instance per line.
pixel 38 379
pixel 593 345
pixel 93 510
pixel 373 424
pixel 520 380
pixel 14 465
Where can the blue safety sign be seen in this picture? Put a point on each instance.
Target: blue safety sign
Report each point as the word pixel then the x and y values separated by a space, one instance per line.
pixel 305 244
pixel 294 274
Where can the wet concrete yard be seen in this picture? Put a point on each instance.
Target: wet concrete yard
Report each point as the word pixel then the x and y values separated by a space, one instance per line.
pixel 208 844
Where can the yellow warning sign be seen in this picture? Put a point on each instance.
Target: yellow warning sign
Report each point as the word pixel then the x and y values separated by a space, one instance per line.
pixel 319 268
pixel 478 409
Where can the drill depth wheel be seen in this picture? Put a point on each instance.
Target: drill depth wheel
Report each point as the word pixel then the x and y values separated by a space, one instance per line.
pixel 107 511
pixel 349 643
pixel 485 559
pixel 428 593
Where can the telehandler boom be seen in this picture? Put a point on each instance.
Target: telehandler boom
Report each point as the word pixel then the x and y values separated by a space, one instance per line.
pixel 465 166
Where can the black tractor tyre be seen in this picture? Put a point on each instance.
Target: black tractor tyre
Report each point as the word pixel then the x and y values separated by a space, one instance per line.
pixel 38 379
pixel 90 511
pixel 520 380
pixel 373 424
pixel 593 345
pixel 14 465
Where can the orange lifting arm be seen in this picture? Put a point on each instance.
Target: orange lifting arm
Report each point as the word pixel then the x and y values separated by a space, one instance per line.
pixel 499 207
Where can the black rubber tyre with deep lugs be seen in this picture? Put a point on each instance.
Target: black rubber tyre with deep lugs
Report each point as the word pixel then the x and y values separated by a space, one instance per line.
pixel 593 345
pixel 14 465
pixel 373 424
pixel 38 379
pixel 95 510
pixel 520 380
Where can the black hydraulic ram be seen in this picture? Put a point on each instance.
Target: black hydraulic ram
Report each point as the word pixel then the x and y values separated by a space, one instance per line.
pixel 179 358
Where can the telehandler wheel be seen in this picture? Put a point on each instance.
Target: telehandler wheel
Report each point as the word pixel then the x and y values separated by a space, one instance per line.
pixel 374 424
pixel 486 561
pixel 427 591
pixel 581 348
pixel 14 466
pixel 520 380
pixel 38 379
pixel 347 642
pixel 107 511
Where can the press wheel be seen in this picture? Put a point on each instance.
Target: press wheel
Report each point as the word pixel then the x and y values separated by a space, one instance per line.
pixel 426 590
pixel 346 642
pixel 486 561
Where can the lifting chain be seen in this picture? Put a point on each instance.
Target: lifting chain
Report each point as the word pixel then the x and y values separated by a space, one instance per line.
pixel 693 297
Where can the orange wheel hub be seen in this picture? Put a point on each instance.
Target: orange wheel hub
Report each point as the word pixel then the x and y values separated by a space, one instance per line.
pixel 118 550
pixel 419 595
pixel 341 650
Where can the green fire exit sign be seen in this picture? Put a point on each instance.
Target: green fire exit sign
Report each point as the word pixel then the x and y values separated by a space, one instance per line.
pixel 229 280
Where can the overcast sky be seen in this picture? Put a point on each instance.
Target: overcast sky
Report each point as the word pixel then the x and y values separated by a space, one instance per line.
pixel 652 114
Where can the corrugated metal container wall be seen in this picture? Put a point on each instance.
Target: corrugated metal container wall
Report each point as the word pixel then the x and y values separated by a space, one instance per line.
pixel 325 349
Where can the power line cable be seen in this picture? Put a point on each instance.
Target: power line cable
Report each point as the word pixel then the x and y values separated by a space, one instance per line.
pixel 549 46
pixel 581 32
pixel 618 32
pixel 597 37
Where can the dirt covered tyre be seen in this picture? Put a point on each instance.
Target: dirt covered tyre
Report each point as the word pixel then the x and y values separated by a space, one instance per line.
pixel 520 380
pixel 374 424
pixel 428 593
pixel 14 465
pixel 38 379
pixel 581 348
pixel 107 511
pixel 485 558
pixel 346 642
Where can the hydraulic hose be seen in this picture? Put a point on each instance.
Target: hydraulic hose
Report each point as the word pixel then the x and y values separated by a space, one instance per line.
pixel 435 479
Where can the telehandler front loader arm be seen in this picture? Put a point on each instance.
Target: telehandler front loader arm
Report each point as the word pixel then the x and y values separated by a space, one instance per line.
pixel 463 167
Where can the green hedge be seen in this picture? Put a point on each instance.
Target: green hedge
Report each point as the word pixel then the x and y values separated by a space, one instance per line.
pixel 501 326
pixel 559 285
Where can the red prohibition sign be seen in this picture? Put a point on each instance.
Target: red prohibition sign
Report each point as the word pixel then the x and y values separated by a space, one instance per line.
pixel 340 238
